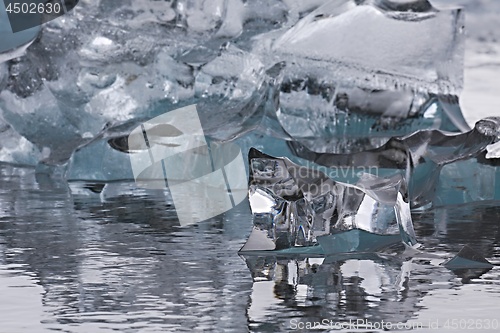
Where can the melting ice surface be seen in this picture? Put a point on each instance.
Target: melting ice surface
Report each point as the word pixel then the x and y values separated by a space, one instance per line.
pixel 328 85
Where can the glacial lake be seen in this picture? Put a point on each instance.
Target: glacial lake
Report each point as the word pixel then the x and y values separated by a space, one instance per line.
pixel 118 261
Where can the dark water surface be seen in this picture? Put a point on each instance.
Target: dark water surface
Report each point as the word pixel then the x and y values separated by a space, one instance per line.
pixel 117 261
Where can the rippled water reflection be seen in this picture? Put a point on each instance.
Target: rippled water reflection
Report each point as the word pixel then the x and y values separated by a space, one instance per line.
pixel 82 261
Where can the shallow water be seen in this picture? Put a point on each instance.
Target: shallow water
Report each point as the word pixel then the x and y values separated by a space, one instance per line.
pixel 79 261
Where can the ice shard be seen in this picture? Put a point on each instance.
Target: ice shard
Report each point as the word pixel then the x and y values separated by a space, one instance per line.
pixel 468 258
pixel 295 206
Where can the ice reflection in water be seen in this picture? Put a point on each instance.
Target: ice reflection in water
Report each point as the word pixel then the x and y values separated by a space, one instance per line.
pixel 343 289
pixel 81 261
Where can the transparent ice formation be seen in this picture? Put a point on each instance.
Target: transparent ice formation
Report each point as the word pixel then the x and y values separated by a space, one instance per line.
pixel 294 206
pixel 407 40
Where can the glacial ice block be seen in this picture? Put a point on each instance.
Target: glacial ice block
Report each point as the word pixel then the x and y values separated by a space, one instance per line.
pixel 294 206
pixel 359 72
pixel 108 66
pixel 395 42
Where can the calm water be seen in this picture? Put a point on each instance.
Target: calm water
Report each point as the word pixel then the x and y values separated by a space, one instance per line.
pixel 79 261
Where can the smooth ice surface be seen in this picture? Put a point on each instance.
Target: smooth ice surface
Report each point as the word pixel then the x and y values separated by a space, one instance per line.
pixel 356 241
pixel 353 79
pixel 107 66
pixel 397 42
